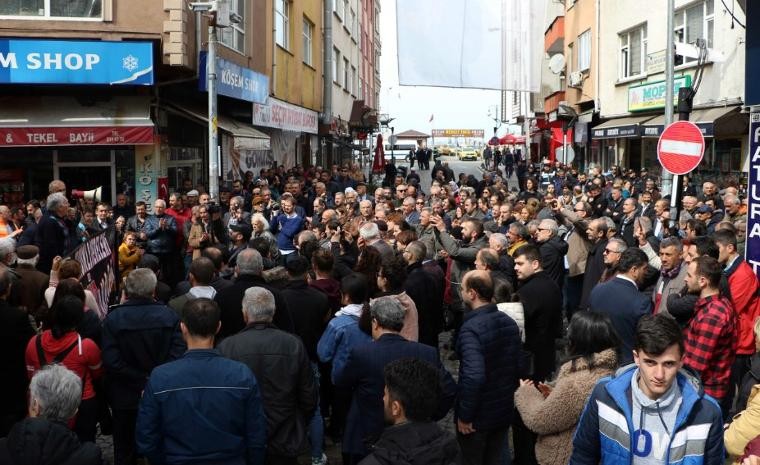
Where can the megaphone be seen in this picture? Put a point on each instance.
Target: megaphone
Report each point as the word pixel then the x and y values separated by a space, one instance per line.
pixel 94 194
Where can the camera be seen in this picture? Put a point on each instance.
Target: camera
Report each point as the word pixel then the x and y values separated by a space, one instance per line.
pixel 212 208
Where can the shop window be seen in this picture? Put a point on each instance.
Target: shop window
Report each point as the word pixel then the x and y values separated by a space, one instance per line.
pixel 81 155
pixel 692 23
pixel 53 8
pixel 234 36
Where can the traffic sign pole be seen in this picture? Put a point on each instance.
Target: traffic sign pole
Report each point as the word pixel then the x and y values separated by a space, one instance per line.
pixel 680 150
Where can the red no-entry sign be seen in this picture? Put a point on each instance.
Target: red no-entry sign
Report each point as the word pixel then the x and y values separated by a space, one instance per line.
pixel 681 147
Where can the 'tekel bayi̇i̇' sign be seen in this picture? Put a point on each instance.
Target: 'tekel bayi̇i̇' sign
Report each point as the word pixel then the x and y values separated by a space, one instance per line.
pixel 26 61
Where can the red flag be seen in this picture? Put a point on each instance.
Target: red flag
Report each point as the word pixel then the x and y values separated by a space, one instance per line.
pixel 378 163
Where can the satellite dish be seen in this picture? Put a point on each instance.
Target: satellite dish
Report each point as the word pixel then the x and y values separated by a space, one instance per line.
pixel 557 63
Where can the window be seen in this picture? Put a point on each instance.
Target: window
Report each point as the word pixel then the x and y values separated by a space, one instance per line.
pixel 308 31
pixel 351 87
pixel 53 8
pixel 336 65
pixel 234 36
pixel 584 51
pixel 361 89
pixel 354 23
pixel 633 52
pixel 339 8
pixel 346 8
pixel 345 73
pixel 377 20
pixel 282 23
pixel 569 57
pixel 692 23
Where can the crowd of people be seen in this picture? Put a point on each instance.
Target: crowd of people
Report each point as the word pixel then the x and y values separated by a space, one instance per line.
pixel 305 306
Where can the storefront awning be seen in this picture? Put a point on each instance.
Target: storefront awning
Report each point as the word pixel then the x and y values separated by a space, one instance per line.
pixel 56 121
pixel 629 126
pixel 246 136
pixel 704 119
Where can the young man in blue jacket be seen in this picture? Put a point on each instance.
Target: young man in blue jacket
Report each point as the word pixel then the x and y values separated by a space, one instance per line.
pixel 202 408
pixel 651 412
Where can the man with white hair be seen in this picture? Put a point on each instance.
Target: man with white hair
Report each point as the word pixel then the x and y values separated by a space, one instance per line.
pixel 32 281
pixel 56 234
pixel 138 335
pixel 364 374
pixel 734 211
pixel 282 369
pixel 369 233
pixel 54 396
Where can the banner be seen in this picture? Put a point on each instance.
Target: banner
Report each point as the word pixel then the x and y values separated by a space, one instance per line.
pixel 98 276
pixel 107 135
pixel 470 44
pixel 286 116
pixel 234 80
pixel 753 191
pixel 238 158
pixel 458 133
pixel 25 61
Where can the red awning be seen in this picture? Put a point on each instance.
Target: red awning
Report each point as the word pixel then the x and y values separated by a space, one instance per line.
pixel 59 121
pixel 511 139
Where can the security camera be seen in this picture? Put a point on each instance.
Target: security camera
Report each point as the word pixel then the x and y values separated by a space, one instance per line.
pixel 202 6
pixel 236 18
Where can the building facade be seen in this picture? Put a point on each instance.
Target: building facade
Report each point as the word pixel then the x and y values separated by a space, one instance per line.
pixel 145 131
pixel 633 42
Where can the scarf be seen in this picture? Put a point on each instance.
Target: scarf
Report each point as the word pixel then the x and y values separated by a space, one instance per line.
pixel 670 274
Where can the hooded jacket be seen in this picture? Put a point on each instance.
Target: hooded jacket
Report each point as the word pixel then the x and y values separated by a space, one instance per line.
pixel 605 431
pixel 38 441
pixel 414 444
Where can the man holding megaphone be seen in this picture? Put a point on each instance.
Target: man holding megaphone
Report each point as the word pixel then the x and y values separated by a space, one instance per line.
pixel 94 194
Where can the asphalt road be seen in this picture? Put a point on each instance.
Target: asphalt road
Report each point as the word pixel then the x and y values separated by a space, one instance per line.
pixel 467 167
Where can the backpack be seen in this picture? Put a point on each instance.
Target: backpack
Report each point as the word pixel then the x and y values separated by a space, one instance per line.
pixel 58 358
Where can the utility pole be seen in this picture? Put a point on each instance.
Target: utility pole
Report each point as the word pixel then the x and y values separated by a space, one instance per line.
pixel 213 133
pixel 670 182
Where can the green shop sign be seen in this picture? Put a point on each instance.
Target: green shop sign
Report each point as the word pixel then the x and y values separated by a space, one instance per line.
pixel 651 96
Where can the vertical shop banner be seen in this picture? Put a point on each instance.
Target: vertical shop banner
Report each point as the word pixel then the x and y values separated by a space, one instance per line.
pixel 146 180
pixel 753 190
pixel 98 276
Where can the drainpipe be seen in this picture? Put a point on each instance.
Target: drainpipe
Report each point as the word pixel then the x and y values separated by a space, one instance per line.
pixel 273 81
pixel 598 54
pixel 327 61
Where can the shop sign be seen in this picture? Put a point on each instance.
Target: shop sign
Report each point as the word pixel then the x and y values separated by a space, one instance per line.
pixel 656 62
pixel 458 133
pixel 630 130
pixel 234 81
pixel 108 135
pixel 655 131
pixel 282 115
pixel 24 61
pixel 651 95
pixel 753 214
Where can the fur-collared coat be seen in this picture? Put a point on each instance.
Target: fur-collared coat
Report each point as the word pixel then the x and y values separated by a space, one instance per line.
pixel 554 418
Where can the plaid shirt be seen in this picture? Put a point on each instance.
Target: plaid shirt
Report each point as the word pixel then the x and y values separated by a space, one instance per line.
pixel 709 343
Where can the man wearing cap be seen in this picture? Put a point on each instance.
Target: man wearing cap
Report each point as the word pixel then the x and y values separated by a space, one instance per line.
pixel 361 192
pixel 704 214
pixel 192 198
pixel 32 283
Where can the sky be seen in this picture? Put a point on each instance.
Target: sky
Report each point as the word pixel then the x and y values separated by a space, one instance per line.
pixel 412 106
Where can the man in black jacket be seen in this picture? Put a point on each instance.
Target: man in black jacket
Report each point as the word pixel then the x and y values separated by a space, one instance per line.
pixel 553 250
pixel 426 292
pixel 249 267
pixel 282 369
pixel 138 335
pixel 410 399
pixel 56 235
pixel 542 306
pixel 597 234
pixel 489 348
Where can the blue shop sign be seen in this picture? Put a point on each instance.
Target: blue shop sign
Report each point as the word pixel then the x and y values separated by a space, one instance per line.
pixel 26 61
pixel 235 81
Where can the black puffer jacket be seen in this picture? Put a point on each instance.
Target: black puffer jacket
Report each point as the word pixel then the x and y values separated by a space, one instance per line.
pixel 414 444
pixel 37 441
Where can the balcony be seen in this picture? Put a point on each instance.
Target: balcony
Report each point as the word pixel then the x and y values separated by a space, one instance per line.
pixel 551 102
pixel 554 37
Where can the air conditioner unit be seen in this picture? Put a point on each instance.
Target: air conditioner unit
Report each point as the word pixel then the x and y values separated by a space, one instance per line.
pixel 576 79
pixel 223 14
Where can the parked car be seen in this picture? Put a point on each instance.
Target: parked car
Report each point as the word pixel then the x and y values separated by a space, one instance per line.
pixel 468 153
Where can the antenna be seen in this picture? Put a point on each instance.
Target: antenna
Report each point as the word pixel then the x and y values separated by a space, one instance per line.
pixel 557 63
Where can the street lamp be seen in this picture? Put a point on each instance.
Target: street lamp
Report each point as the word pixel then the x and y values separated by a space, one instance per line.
pixel 219 16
